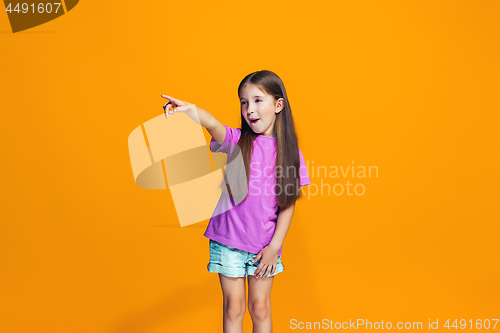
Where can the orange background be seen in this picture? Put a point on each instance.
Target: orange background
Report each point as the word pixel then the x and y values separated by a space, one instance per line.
pixel 409 87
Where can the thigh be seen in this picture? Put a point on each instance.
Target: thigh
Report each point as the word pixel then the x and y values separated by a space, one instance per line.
pixel 233 288
pixel 259 289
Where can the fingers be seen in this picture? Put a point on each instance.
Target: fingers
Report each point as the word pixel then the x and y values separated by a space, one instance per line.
pixel 169 105
pixel 257 257
pixel 165 106
pixel 266 272
pixel 169 98
pixel 175 101
pixel 261 271
pixel 174 105
pixel 258 270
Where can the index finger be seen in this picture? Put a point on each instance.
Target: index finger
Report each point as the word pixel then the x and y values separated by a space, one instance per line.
pixel 170 98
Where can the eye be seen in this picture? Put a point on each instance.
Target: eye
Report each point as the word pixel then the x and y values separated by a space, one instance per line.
pixel 242 102
pixel 258 100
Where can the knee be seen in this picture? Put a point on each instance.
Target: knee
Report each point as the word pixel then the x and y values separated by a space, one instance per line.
pixel 234 308
pixel 260 309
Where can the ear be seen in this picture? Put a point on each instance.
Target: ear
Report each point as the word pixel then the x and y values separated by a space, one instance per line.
pixel 280 104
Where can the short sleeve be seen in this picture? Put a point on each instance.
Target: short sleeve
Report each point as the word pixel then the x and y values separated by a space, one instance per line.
pixel 230 141
pixel 304 176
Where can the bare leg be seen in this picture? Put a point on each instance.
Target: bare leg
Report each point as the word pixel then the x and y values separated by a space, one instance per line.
pixel 233 290
pixel 259 303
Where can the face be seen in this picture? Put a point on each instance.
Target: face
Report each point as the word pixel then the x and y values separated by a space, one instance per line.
pixel 259 109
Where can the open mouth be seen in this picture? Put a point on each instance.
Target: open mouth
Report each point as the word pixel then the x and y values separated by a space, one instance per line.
pixel 254 120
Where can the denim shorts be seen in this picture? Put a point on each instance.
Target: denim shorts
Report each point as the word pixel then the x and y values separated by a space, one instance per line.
pixel 233 262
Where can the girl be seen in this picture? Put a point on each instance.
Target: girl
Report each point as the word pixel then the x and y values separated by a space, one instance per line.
pixel 252 217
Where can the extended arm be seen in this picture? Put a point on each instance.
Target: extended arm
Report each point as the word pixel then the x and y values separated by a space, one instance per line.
pixel 207 120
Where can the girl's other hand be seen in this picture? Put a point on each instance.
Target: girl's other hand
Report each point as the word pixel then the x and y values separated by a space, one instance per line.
pixel 174 105
pixel 268 263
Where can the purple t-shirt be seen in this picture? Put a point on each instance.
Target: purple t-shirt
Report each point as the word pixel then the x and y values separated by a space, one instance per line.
pixel 250 225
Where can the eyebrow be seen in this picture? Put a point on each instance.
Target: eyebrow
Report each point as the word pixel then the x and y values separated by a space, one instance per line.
pixel 254 96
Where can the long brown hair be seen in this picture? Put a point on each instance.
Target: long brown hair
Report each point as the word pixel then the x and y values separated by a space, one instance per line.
pixel 287 152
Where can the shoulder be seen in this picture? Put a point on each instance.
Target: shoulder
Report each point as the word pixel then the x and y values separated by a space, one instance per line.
pixel 235 130
pixel 232 134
